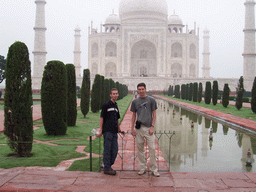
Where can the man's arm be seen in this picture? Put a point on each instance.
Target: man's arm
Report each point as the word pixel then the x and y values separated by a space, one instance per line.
pixel 151 130
pixel 101 127
pixel 132 123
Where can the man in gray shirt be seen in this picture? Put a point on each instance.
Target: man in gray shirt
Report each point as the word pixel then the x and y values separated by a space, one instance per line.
pixel 144 107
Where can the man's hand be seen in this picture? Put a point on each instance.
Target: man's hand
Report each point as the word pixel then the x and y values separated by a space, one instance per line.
pixel 133 132
pixel 99 134
pixel 151 131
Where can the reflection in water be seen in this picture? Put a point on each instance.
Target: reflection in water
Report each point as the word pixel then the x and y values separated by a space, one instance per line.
pixel 203 147
pixel 225 130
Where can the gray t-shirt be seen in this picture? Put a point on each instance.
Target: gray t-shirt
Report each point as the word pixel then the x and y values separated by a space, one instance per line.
pixel 144 108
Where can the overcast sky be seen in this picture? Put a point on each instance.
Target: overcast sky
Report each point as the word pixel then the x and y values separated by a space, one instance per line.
pixel 224 19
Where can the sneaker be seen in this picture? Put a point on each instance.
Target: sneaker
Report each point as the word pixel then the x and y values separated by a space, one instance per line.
pixel 110 172
pixel 141 172
pixel 155 173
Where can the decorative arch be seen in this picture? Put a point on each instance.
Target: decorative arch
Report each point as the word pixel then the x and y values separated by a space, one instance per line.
pixel 192 70
pixel 176 70
pixel 110 70
pixel 176 50
pixel 192 51
pixel 143 59
pixel 94 69
pixel 110 50
pixel 94 50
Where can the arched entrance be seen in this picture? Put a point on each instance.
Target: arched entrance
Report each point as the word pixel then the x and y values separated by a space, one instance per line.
pixel 110 70
pixel 143 59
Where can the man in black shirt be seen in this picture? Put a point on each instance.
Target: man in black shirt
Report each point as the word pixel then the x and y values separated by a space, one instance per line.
pixel 109 127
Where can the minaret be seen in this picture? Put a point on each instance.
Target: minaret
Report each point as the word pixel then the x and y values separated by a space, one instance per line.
pixel 39 45
pixel 249 45
pixel 77 52
pixel 206 55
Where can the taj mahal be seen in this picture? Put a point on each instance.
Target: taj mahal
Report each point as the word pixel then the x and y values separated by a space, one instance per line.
pixel 143 43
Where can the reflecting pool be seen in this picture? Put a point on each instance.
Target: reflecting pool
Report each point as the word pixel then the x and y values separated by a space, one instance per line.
pixel 205 145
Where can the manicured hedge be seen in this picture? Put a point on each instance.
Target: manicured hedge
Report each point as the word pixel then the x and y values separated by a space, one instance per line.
pixel 54 98
pixel 85 92
pixel 71 99
pixel 208 90
pixel 18 121
pixel 96 94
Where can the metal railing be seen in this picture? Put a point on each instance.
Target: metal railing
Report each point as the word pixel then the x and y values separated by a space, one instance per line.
pixel 158 136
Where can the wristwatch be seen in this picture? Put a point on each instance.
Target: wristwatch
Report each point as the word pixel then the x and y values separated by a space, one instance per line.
pixel 152 126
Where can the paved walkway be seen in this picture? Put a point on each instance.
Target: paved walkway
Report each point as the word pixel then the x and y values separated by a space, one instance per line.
pixel 46 179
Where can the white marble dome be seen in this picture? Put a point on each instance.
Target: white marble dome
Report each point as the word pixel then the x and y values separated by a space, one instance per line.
pixel 140 7
pixel 175 20
pixel 113 19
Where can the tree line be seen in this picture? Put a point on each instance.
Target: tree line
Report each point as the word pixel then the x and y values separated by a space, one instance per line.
pixel 194 92
pixel 58 97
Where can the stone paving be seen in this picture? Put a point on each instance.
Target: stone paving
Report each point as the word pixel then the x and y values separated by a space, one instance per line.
pixel 41 179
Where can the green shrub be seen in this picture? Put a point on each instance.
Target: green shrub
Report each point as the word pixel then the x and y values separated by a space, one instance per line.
pixel 253 102
pixel 195 92
pixel 102 92
pixel 54 98
pixel 207 93
pixel 215 90
pixel 225 96
pixel 18 121
pixel 200 91
pixel 190 93
pixel 96 94
pixel 85 92
pixel 71 99
pixel 183 91
pixel 239 93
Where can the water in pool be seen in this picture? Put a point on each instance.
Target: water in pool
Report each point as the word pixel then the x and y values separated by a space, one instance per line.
pixel 205 146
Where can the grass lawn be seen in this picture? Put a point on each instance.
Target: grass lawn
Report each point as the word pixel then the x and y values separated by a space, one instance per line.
pixel 1 105
pixel 244 112
pixel 43 155
pixel 50 156
pixel 84 165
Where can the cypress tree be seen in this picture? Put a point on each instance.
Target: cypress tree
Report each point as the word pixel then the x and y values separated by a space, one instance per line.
pixel 215 90
pixel 178 91
pixel 71 99
pixel 54 98
pixel 118 88
pixel 190 94
pixel 106 89
pixel 183 91
pixel 240 93
pixel 18 121
pixel 253 102
pixel 96 94
pixel 195 92
pixel 102 88
pixel 187 92
pixel 225 95
pixel 207 93
pixel 112 84
pixel 200 91
pixel 85 92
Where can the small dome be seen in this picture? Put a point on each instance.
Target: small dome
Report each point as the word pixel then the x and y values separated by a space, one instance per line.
pixel 175 20
pixel 77 28
pixel 113 19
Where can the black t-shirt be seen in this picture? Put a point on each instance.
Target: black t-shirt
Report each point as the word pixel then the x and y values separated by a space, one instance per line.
pixel 110 114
